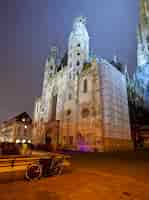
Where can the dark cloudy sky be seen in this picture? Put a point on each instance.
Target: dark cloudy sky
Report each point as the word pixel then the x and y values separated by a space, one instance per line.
pixel 29 28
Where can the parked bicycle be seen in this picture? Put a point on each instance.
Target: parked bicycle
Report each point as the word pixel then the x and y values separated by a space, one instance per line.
pixel 46 167
pixel 33 171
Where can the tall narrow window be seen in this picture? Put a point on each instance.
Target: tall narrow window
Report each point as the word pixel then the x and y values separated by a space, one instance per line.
pixel 85 86
pixel 54 104
pixel 71 140
pixel 78 63
pixel 51 67
pixel 70 76
pixel 147 38
pixel 70 96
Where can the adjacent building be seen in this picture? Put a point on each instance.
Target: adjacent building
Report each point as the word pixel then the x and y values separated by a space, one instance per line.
pixel 84 103
pixel 17 129
pixel 142 73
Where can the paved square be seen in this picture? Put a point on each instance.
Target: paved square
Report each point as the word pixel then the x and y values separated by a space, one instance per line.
pixel 107 177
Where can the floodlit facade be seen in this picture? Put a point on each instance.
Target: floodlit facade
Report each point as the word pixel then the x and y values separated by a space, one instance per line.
pixel 142 73
pixel 17 129
pixel 83 105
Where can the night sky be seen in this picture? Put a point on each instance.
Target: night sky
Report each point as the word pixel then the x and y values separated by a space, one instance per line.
pixel 30 27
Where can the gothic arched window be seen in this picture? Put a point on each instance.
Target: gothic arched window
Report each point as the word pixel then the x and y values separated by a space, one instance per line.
pixel 70 76
pixel 68 112
pixel 70 96
pixel 51 67
pixel 78 63
pixel 85 85
pixel 85 113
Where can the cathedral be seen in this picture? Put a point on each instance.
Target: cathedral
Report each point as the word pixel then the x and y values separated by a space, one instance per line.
pixel 83 105
pixel 142 73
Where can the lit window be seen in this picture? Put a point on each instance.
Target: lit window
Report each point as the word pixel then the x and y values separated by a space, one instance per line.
pixel 25 126
pixel 85 85
pixel 23 119
pixel 17 141
pixel 23 141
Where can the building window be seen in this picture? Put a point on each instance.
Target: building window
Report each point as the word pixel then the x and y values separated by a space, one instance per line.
pixel 51 67
pixel 74 75
pixel 50 75
pixel 85 85
pixel 71 140
pixel 78 54
pixel 70 65
pixel 70 96
pixel 78 63
pixel 78 45
pixel 70 76
pixel 147 39
pixel 64 139
pixel 85 113
pixel 68 112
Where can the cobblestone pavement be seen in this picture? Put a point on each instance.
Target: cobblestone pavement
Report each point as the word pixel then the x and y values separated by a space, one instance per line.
pixel 85 183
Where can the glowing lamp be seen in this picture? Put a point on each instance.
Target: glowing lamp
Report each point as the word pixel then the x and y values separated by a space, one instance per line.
pixel 23 141
pixel 25 126
pixel 17 141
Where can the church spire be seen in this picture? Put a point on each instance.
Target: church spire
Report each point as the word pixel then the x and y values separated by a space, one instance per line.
pixel 78 46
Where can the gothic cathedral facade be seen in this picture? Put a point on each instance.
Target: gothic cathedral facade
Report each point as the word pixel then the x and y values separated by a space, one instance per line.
pixel 83 105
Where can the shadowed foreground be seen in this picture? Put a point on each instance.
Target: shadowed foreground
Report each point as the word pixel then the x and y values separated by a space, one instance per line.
pixel 94 176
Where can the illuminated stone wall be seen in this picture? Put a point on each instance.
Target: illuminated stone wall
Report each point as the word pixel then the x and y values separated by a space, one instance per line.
pixel 81 123
pixel 90 98
pixel 142 73
pixel 115 115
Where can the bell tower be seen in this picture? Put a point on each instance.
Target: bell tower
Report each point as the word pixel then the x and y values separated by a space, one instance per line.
pixel 50 66
pixel 78 47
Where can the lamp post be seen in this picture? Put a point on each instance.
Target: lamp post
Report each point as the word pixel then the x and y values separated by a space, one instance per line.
pixel 67 131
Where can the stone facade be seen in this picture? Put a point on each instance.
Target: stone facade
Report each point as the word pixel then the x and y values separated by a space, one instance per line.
pixel 17 129
pixel 85 98
pixel 142 73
